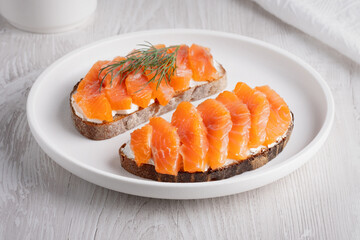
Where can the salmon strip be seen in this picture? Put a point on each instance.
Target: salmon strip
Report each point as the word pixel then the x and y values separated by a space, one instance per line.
pixel 92 76
pixel 118 97
pixel 138 88
pixel 201 63
pixel 280 116
pixel 260 111
pixel 217 120
pixel 107 83
pixel 115 89
pixel 140 144
pixel 165 146
pixel 241 119
pixel 180 81
pixel 92 102
pixel 193 137
pixel 163 93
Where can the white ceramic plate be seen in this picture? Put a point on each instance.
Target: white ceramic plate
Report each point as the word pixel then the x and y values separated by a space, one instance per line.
pixel 245 59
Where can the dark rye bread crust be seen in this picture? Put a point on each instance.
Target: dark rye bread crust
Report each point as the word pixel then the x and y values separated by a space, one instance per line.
pixel 255 161
pixel 123 123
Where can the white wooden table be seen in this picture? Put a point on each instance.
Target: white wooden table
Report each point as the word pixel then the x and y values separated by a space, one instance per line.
pixel 41 200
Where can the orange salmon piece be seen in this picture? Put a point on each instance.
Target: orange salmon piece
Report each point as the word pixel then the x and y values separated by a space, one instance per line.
pixel 140 144
pixel 107 83
pixel 259 108
pixel 180 80
pixel 92 102
pixel 217 120
pixel 201 63
pixel 92 76
pixel 115 90
pixel 241 119
pixel 165 146
pixel 193 137
pixel 118 97
pixel 280 116
pixel 163 93
pixel 138 88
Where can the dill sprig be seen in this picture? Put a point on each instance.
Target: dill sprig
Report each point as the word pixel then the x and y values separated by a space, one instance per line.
pixel 155 62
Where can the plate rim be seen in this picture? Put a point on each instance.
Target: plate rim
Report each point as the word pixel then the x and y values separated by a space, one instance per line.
pixel 311 148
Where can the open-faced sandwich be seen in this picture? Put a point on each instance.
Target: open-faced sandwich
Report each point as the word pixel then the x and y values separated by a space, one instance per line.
pixel 118 95
pixel 236 132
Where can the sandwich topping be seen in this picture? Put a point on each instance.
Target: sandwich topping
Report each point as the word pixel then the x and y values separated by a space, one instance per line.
pixel 218 132
pixel 152 73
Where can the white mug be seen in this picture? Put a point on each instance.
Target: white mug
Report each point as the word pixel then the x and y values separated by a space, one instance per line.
pixel 47 16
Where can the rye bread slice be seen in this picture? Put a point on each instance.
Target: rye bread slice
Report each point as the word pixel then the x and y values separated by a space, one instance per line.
pixel 123 123
pixel 253 162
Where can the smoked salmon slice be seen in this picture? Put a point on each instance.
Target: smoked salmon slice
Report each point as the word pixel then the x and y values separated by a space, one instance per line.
pixel 241 119
pixel 193 137
pixel 165 146
pixel 138 88
pixel 217 120
pixel 106 75
pixel 115 88
pixel 280 116
pixel 201 63
pixel 259 108
pixel 140 144
pixel 163 92
pixel 92 102
pixel 180 81
pixel 92 77
pixel 117 95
